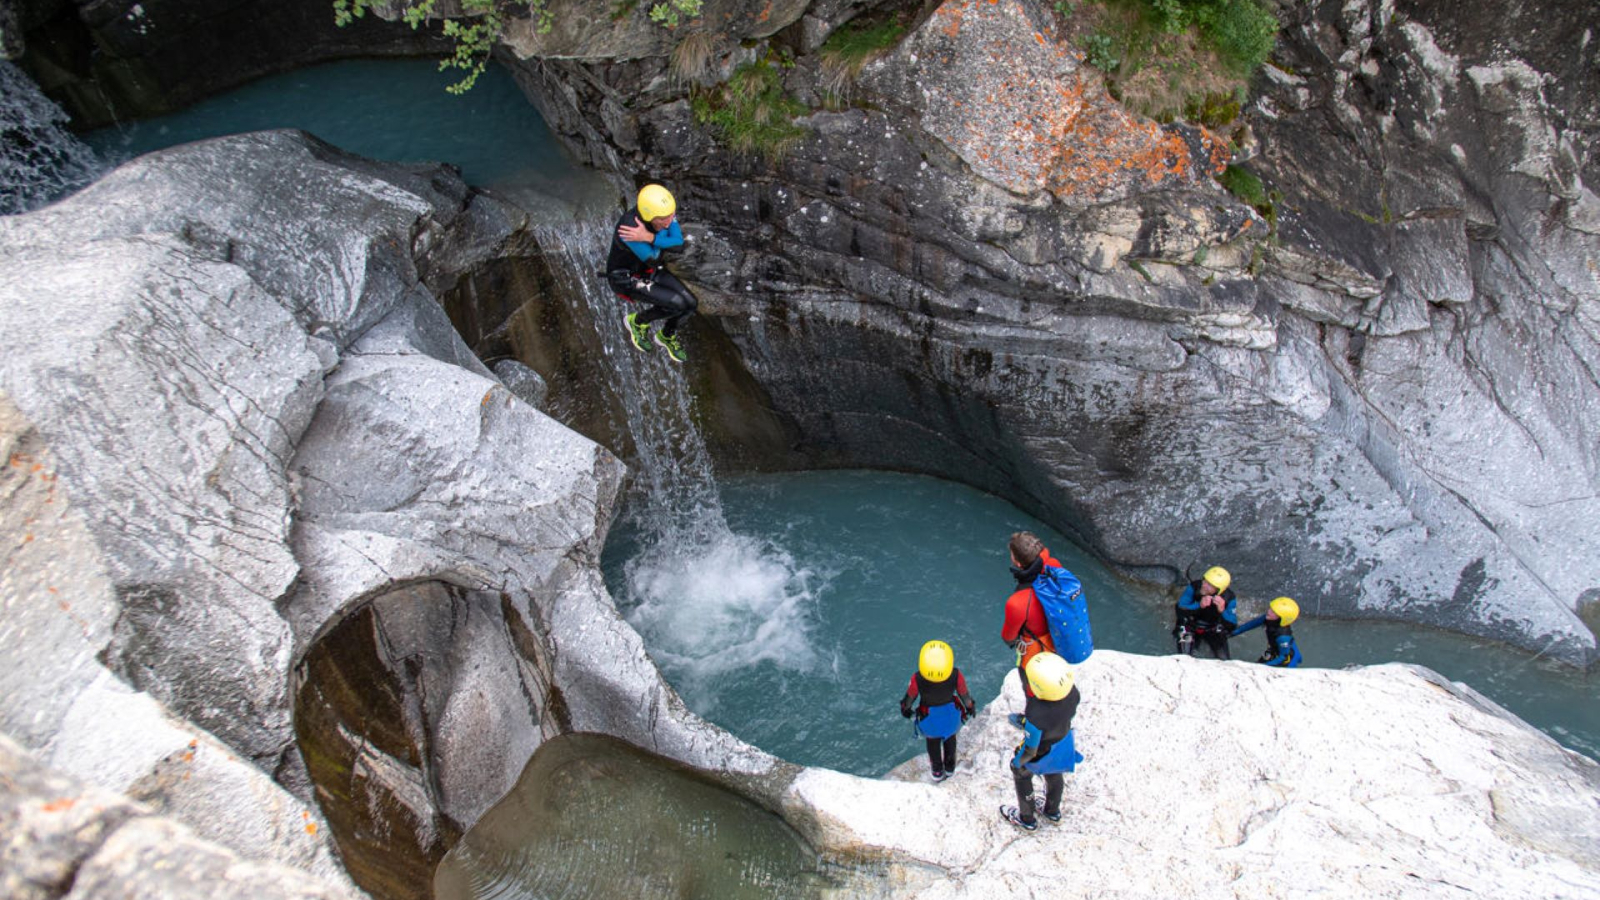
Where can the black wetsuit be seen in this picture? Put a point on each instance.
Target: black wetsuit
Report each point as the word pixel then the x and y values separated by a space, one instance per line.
pixel 1052 719
pixel 647 280
pixel 1209 625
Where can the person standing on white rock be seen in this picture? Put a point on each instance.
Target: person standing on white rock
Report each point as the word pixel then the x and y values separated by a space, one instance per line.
pixel 1047 746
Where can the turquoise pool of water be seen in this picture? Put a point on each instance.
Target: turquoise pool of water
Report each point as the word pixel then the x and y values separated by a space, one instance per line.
pixel 390 109
pixel 800 633
pixel 593 817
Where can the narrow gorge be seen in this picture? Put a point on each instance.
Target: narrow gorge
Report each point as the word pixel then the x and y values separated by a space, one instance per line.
pixel 312 458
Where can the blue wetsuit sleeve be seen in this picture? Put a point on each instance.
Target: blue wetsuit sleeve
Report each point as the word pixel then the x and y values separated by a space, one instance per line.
pixel 1187 602
pixel 645 252
pixel 672 237
pixel 1230 613
pixel 1029 748
pixel 1257 622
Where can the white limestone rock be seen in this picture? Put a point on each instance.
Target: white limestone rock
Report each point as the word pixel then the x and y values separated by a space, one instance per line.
pixel 68 839
pixel 1233 780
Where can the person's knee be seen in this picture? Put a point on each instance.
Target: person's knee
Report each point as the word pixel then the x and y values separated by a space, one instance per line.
pixel 683 301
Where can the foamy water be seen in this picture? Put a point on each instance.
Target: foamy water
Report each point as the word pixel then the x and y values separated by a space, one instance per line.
pixel 724 605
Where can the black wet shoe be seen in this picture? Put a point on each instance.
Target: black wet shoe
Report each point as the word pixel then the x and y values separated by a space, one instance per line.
pixel 1009 813
pixel 940 776
pixel 1038 808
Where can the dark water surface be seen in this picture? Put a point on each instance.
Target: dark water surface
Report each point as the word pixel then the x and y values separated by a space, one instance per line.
pixel 593 817
pixel 800 634
pixel 389 109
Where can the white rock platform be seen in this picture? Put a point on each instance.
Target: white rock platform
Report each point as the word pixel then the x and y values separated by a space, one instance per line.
pixel 1232 780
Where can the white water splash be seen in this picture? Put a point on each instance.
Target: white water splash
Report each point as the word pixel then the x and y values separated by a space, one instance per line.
pixel 40 160
pixel 723 606
pixel 707 601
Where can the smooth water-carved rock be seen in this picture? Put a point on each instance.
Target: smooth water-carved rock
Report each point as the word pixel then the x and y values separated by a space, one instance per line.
pixel 55 695
pixel 241 422
pixel 168 332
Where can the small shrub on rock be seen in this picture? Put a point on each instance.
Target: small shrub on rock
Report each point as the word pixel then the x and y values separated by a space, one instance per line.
pixel 750 112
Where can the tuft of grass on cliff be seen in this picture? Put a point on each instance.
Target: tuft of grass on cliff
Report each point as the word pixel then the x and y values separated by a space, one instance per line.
pixel 854 44
pixel 751 112
pixel 1174 59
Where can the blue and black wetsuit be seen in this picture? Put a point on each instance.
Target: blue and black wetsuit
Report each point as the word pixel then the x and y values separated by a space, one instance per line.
pixel 1282 651
pixel 1047 749
pixel 941 707
pixel 1210 625
pixel 635 270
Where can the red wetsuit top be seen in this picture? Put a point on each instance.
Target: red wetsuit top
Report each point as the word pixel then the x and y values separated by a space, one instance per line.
pixel 1025 620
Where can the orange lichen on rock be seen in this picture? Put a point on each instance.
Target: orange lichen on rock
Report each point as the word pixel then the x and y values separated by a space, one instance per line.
pixel 1027 115
pixel 951 13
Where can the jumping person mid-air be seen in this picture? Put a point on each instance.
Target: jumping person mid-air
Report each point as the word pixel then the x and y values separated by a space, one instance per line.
pixel 635 271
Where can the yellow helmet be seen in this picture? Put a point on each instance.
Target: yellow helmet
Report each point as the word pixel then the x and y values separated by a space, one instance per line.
pixel 936 661
pixel 1286 610
pixel 1218 578
pixel 1049 676
pixel 656 201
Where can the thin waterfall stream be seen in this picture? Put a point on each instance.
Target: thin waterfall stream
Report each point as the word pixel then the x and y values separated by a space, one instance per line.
pixel 40 159
pixel 707 600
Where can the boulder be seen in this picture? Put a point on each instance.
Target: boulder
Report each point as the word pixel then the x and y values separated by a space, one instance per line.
pixel 68 840
pixel 236 422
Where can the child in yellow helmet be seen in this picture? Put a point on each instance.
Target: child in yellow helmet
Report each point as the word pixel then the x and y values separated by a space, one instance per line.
pixel 938 696
pixel 1047 746
pixel 1282 650
pixel 1207 614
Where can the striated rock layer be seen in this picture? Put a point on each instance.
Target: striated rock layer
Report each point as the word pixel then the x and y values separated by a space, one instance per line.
pixel 1383 403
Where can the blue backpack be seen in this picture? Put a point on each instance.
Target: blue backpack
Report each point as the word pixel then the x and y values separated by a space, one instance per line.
pixel 1060 594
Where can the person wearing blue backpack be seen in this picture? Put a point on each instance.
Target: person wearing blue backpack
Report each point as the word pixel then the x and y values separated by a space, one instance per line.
pixel 1282 651
pixel 1047 746
pixel 938 696
pixel 1047 612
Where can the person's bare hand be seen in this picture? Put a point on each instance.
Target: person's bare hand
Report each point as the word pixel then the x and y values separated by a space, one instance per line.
pixel 636 233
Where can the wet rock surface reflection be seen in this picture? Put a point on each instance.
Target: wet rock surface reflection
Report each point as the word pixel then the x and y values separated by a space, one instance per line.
pixel 592 816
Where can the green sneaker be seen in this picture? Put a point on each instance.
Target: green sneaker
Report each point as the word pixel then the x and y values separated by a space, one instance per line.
pixel 670 343
pixel 638 332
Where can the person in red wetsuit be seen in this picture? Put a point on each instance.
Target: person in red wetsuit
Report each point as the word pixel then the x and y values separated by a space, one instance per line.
pixel 1025 629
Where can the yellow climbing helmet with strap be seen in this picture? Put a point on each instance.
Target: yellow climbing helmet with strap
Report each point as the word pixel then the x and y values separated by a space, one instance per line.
pixel 936 661
pixel 1285 609
pixel 656 201
pixel 1050 676
pixel 1218 577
